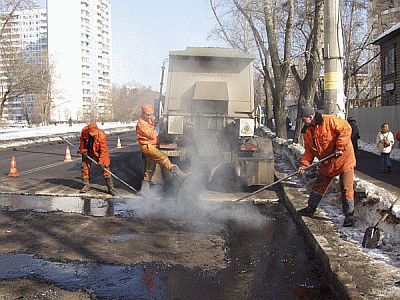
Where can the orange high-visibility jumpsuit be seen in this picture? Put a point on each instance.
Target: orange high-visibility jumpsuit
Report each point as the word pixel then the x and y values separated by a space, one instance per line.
pixel 98 151
pixel 148 140
pixel 331 133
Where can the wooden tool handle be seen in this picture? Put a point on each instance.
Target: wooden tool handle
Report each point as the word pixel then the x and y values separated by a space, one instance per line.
pixel 387 213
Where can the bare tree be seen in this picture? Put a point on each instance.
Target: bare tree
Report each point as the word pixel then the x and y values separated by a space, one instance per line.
pixel 17 73
pixel 309 24
pixel 235 31
pixel 363 21
pixel 126 101
pixel 271 24
pixel 45 78
pixel 20 76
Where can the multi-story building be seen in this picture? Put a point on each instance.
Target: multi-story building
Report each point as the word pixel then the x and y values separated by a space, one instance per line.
pixel 79 34
pixel 28 34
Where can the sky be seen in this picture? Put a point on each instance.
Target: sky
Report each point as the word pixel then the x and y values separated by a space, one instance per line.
pixel 143 33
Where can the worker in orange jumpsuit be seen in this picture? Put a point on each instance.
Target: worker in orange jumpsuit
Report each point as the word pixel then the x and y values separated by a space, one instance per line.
pixel 147 133
pixel 93 144
pixel 324 135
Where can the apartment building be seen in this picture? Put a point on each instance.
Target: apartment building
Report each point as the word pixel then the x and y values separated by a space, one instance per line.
pixel 28 33
pixel 79 34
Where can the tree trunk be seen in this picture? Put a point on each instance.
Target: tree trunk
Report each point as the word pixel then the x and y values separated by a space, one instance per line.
pixel 1 107
pixel 268 105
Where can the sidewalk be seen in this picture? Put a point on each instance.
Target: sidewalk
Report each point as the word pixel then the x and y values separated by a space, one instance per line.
pixel 368 169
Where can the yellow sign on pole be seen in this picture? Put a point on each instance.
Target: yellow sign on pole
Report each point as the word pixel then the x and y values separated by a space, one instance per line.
pixel 333 81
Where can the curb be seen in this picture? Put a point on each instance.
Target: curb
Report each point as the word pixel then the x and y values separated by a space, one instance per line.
pixel 314 230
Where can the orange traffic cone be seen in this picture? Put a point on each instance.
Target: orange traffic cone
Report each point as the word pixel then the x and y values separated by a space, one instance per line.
pixel 119 144
pixel 13 170
pixel 67 155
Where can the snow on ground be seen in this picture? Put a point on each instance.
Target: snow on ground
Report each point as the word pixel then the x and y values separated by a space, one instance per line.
pixel 23 135
pixel 12 133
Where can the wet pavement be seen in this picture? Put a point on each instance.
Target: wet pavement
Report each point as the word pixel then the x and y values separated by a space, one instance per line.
pixel 261 260
pixel 368 168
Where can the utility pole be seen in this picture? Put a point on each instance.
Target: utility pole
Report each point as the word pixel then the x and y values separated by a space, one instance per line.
pixel 334 100
pixel 160 102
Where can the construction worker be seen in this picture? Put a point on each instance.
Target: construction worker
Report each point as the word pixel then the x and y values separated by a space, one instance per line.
pixel 93 144
pixel 324 135
pixel 147 133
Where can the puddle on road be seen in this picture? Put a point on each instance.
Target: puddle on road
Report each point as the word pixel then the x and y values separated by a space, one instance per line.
pixel 266 262
pixel 97 207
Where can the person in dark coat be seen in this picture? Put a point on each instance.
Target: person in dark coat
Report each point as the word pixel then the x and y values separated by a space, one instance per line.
pixel 355 134
pixel 288 124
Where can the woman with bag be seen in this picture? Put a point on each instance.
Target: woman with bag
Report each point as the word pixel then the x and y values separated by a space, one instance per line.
pixel 385 142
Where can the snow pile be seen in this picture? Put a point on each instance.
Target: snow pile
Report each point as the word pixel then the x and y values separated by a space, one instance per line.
pixel 395 154
pixel 371 201
pixel 21 136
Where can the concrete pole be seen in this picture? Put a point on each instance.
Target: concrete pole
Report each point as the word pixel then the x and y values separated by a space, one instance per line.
pixel 334 100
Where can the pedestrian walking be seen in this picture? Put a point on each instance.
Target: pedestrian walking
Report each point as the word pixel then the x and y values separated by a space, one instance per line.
pixel 385 142
pixel 355 134
pixel 93 144
pixel 70 122
pixel 147 132
pixel 324 135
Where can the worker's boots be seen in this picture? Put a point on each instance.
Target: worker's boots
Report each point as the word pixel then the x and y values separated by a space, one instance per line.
pixel 110 186
pixel 145 185
pixel 181 176
pixel 86 186
pixel 307 211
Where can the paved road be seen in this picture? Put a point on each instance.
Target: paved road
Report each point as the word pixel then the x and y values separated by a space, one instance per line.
pixel 368 168
pixel 43 170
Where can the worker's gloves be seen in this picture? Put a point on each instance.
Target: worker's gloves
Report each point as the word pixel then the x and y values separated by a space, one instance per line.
pixel 102 167
pixel 84 154
pixel 338 152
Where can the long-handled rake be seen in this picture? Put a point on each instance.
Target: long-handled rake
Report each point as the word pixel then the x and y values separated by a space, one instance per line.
pixel 132 188
pixel 284 178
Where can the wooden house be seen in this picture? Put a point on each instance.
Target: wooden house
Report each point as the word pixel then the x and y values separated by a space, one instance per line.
pixel 389 42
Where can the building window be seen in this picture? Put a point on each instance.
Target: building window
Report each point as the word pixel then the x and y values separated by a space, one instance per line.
pixel 390 62
pixel 389 100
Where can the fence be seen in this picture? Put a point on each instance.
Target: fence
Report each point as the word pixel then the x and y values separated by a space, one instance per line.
pixel 370 119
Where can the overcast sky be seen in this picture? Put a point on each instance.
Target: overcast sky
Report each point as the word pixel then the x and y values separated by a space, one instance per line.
pixel 143 32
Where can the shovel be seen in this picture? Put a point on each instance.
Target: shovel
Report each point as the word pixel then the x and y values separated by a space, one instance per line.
pixel 113 175
pixel 373 234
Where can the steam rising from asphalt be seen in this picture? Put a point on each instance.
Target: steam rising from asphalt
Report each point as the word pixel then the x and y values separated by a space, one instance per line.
pixel 192 206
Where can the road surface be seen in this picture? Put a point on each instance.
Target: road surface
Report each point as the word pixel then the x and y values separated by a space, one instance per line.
pixel 43 171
